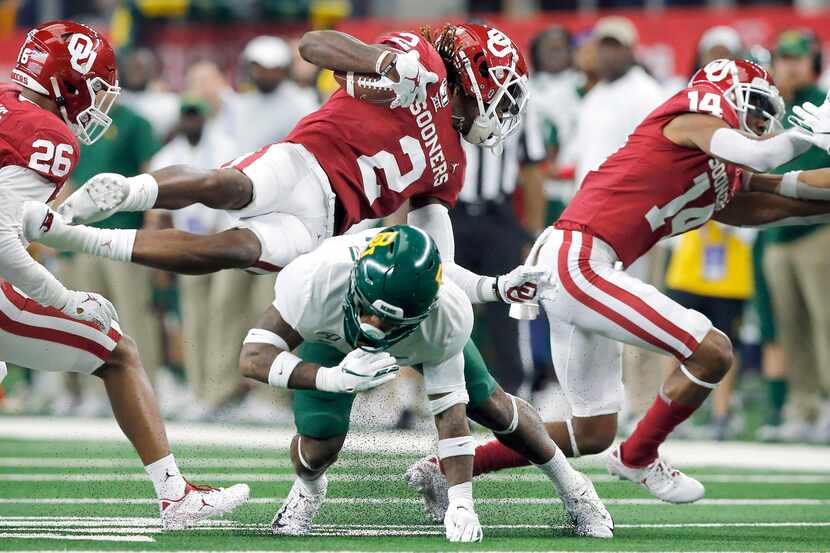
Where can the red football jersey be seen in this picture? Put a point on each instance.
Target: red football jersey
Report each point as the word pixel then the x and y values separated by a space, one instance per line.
pixel 375 157
pixel 35 138
pixel 652 188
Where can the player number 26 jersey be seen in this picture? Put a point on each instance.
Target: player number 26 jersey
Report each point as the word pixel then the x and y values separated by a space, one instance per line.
pixel 375 157
pixel 652 188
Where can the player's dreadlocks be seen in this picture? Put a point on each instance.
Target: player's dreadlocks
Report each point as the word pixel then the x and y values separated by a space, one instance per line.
pixel 444 41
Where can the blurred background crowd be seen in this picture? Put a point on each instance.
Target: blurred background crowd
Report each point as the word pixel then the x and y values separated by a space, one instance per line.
pixel 207 80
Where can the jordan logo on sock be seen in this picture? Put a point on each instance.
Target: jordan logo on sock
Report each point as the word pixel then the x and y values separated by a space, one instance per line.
pixel 167 475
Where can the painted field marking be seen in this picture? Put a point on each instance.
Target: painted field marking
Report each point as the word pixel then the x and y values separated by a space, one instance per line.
pixel 49 536
pixel 417 501
pixel 336 476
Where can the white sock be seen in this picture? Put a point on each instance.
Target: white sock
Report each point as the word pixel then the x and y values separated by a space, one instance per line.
pixel 561 473
pixel 143 193
pixel 311 487
pixel 114 244
pixel 166 477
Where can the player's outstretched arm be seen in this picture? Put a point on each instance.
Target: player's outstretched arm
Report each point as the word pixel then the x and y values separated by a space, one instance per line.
pixel 518 286
pixel 266 356
pixel 713 136
pixel 801 185
pixel 762 209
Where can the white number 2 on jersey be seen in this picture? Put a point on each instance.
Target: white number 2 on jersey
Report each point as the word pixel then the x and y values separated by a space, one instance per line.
pixel 386 162
pixel 47 158
pixel 710 103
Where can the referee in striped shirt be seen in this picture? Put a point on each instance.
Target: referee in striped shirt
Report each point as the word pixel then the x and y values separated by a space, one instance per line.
pixel 490 238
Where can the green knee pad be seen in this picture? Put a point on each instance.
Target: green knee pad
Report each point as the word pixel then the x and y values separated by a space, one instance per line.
pixel 319 414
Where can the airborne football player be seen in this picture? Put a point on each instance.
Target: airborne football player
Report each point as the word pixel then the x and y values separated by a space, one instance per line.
pixel 351 160
pixel 65 83
pixel 357 306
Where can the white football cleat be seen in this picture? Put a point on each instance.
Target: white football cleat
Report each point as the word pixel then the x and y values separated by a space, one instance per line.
pixel 97 199
pixel 659 478
pixel 199 503
pixel 297 513
pixel 587 512
pixel 426 478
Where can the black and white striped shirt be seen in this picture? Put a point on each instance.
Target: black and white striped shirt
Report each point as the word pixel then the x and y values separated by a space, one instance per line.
pixel 492 178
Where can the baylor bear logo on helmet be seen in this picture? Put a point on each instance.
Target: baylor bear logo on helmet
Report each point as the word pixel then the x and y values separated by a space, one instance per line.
pixel 396 278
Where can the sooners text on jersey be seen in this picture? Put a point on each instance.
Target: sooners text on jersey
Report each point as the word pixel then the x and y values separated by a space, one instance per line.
pixel 377 158
pixel 35 138
pixel 652 188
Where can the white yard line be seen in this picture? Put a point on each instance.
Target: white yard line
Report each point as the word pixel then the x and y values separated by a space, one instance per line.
pixel 416 501
pixel 685 454
pixel 74 537
pixel 393 476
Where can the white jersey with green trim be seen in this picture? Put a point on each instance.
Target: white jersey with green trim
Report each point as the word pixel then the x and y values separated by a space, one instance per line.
pixel 309 295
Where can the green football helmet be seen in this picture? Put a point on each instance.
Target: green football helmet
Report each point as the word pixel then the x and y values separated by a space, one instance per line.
pixel 396 277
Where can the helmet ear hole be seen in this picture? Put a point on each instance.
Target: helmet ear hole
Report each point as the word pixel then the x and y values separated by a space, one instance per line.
pixel 70 88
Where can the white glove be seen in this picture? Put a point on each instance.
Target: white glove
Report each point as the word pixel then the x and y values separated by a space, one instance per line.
pixel 813 122
pixel 91 307
pixel 461 521
pixel 521 284
pixel 359 371
pixel 413 79
pixel 97 199
pixel 3 371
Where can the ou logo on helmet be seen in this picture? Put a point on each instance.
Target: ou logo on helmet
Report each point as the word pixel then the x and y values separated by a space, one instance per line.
pixel 498 43
pixel 718 70
pixel 82 53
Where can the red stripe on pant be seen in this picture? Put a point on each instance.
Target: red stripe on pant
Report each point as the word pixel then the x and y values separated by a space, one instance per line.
pixel 634 302
pixel 591 303
pixel 29 305
pixel 251 158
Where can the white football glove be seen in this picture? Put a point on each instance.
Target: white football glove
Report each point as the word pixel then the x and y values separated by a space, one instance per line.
pixel 91 307
pixel 521 284
pixel 413 79
pixel 359 371
pixel 813 122
pixel 97 199
pixel 461 522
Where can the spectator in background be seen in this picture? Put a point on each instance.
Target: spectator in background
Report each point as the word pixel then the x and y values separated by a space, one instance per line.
pixel 719 42
pixel 621 99
pixel 797 262
pixel 268 112
pixel 203 147
pixel 141 91
pixel 609 112
pixel 126 148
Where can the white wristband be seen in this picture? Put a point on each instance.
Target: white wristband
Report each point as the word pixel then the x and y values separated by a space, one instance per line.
pixel 461 492
pixel 281 369
pixel 380 61
pixel 789 184
pixel 486 289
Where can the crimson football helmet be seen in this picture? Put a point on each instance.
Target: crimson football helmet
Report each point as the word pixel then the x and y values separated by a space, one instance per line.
pixel 493 71
pixel 73 65
pixel 747 88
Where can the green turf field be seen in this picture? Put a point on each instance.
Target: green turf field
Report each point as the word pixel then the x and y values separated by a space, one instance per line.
pixel 79 496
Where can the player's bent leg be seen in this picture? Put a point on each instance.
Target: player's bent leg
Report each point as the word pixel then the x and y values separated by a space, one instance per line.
pixel 322 421
pixel 181 503
pixel 195 254
pixel 521 429
pixel 684 390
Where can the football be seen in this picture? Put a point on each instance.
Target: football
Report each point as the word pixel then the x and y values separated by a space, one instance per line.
pixel 365 86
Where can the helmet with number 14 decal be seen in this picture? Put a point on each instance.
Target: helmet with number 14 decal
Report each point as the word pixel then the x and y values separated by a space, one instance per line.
pixel 748 89
pixel 74 66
